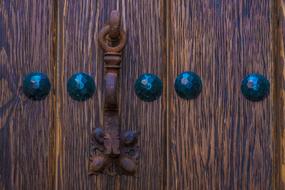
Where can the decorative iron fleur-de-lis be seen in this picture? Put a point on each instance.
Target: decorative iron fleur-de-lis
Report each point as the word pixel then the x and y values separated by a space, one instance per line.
pixel 113 153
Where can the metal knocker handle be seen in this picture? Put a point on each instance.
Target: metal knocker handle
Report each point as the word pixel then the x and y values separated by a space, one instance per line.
pixel 116 36
pixel 113 152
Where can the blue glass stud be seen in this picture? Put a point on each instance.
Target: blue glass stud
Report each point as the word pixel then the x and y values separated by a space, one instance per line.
pixel 148 87
pixel 80 86
pixel 36 86
pixel 188 85
pixel 255 87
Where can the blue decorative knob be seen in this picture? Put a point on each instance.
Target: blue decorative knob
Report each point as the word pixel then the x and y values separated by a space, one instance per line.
pixel 130 137
pixel 148 87
pixel 81 86
pixel 255 87
pixel 36 85
pixel 188 85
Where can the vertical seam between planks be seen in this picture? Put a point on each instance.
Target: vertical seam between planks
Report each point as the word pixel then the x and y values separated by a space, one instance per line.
pixel 54 92
pixel 53 62
pixel 55 46
pixel 167 18
pixel 277 90
pixel 57 125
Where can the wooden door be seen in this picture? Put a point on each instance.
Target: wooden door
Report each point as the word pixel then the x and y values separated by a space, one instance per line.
pixel 219 140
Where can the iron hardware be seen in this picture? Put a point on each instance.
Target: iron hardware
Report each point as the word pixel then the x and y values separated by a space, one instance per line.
pixel 113 152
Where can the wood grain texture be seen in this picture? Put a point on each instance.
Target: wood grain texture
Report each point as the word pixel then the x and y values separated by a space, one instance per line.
pixel 281 93
pixel 26 127
pixel 79 23
pixel 221 140
pixel 217 141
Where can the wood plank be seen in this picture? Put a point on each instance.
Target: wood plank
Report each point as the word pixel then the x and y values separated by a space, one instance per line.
pixel 281 92
pixel 26 127
pixel 221 140
pixel 79 24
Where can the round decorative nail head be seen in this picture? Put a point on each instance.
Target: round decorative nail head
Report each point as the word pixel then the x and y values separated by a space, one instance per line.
pixel 81 86
pixel 188 85
pixel 36 86
pixel 148 87
pixel 255 87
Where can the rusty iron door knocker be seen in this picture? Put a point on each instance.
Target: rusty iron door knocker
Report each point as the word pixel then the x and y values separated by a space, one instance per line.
pixel 113 152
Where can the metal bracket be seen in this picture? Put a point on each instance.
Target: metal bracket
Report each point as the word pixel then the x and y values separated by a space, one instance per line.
pixel 113 152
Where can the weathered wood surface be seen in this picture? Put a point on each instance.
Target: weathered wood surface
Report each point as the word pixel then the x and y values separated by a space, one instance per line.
pixel 281 93
pixel 218 141
pixel 79 24
pixel 221 140
pixel 26 127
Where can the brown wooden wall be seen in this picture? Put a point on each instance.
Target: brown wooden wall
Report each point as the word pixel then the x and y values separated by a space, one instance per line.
pixel 218 141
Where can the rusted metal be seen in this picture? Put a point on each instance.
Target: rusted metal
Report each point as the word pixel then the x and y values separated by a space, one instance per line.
pixel 113 152
pixel 115 25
